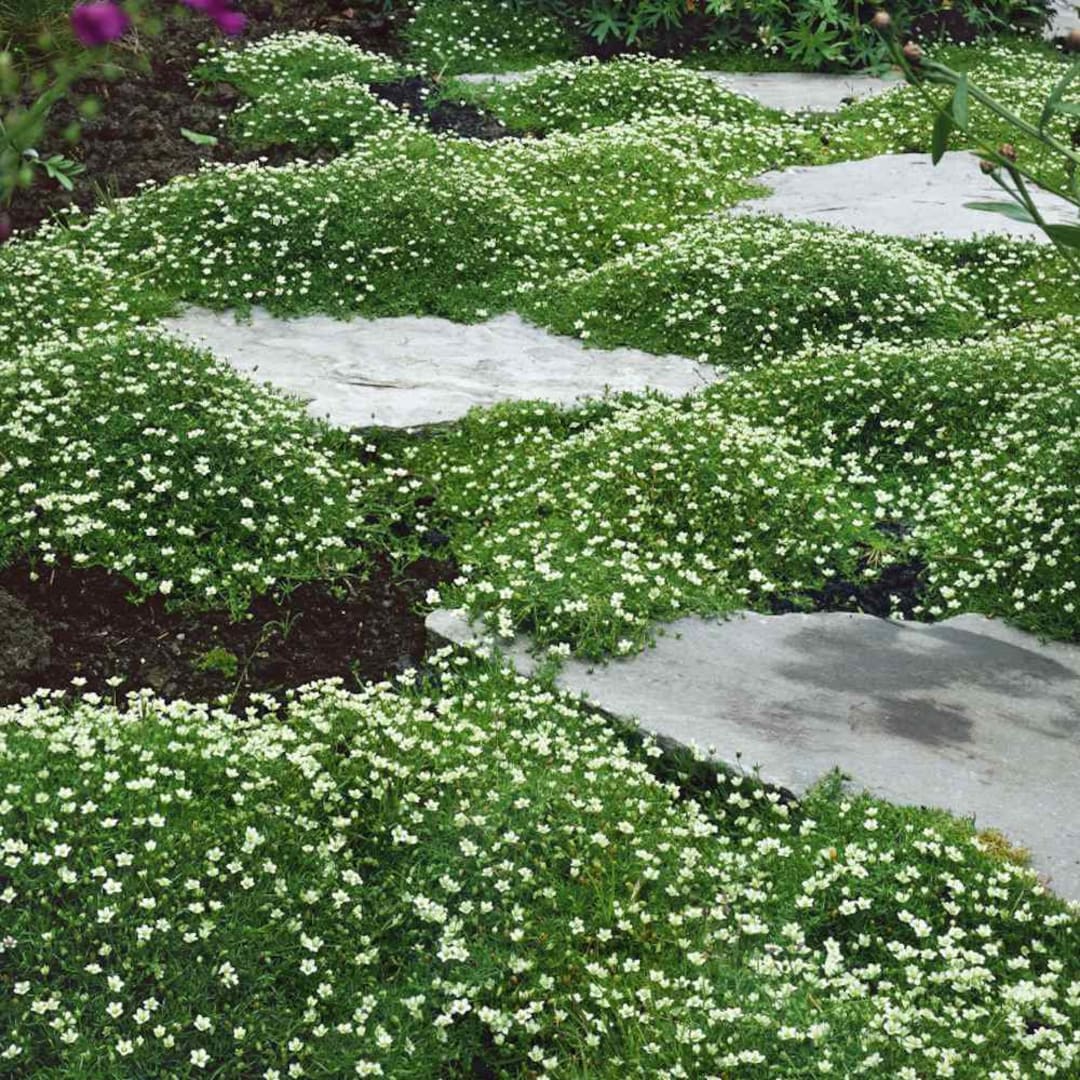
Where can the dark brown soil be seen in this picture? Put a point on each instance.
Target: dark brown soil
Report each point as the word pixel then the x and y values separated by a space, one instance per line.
pixel 896 589
pixel 415 94
pixel 360 628
pixel 136 137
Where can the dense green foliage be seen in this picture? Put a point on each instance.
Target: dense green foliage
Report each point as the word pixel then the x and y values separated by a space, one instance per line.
pixel 1018 73
pixel 735 290
pixel 588 528
pixel 813 33
pixel 282 61
pixel 583 94
pixel 453 36
pixel 414 223
pixel 162 464
pixel 475 874
pixel 306 90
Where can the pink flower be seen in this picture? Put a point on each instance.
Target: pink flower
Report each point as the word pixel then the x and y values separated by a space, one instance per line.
pixel 99 23
pixel 228 21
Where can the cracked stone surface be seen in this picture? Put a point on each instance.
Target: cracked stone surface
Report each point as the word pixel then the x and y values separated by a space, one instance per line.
pixel 899 195
pixel 412 371
pixel 788 91
pixel 967 714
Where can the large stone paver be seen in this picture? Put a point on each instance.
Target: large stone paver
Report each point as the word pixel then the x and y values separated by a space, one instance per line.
pixel 967 714
pixel 899 195
pixel 790 91
pixel 793 91
pixel 407 372
pixel 1066 18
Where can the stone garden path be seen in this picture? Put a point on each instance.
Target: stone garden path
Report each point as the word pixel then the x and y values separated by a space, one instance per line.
pixel 789 91
pixel 967 714
pixel 891 194
pixel 1066 18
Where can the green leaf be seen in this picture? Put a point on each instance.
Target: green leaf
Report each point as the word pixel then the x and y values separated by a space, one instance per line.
pixel 198 138
pixel 1054 101
pixel 604 24
pixel 1066 235
pixel 61 169
pixel 943 127
pixel 960 102
pixel 1009 209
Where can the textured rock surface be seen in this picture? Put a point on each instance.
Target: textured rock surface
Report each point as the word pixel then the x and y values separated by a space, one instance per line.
pixel 406 372
pixel 24 645
pixel 787 90
pixel 899 195
pixel 967 714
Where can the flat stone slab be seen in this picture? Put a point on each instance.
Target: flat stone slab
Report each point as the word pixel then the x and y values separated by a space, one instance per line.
pixel 794 91
pixel 412 371
pixel 500 78
pixel 900 195
pixel 789 91
pixel 1066 17
pixel 967 714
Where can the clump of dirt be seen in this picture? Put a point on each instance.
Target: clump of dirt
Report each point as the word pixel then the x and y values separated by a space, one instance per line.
pixel 78 624
pixel 895 589
pixel 136 136
pixel 24 644
pixel 417 94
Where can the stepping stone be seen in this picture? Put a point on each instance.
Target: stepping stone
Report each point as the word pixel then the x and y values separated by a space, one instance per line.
pixel 793 91
pixel 1066 17
pixel 967 714
pixel 900 195
pixel 501 78
pixel 408 372
pixel 789 91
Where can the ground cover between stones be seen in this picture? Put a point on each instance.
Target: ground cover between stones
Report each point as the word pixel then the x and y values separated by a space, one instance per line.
pixel 464 872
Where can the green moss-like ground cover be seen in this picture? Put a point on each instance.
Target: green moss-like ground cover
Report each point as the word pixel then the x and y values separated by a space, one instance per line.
pixel 590 527
pixel 456 36
pixel 475 874
pixel 579 95
pixel 162 464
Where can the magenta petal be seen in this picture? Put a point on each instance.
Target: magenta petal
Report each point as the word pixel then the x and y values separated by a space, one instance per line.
pixel 227 20
pixel 230 22
pixel 99 23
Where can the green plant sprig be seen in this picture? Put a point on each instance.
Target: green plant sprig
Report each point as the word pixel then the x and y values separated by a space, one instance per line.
pixel 955 114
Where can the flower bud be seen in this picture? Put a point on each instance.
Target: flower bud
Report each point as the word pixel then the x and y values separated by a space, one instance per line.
pixel 882 20
pixel 99 23
pixel 913 54
pixel 987 166
pixel 1007 151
